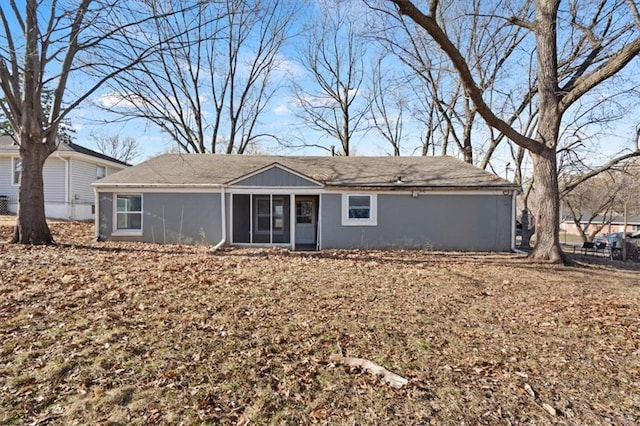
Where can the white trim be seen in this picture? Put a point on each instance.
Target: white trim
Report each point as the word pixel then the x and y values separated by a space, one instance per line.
pixel 513 221
pixel 292 221
pixel 96 223
pixel 279 190
pixel 132 233
pixel 419 192
pixel 126 232
pixel 284 245
pixel 231 218
pixel 319 224
pixel 110 187
pixel 271 166
pixel 372 220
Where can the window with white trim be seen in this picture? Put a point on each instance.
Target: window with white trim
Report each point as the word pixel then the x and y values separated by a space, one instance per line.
pixel 101 171
pixel 17 169
pixel 128 213
pixel 359 210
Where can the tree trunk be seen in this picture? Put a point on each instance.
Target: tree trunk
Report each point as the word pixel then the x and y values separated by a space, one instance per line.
pixel 547 209
pixel 525 241
pixel 31 227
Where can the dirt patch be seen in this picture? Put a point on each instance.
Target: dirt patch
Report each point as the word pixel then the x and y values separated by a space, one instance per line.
pixel 136 333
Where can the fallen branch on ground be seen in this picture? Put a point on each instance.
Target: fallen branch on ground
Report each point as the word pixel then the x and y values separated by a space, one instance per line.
pixel 389 377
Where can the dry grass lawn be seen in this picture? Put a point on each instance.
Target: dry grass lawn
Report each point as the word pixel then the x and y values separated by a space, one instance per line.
pixel 112 333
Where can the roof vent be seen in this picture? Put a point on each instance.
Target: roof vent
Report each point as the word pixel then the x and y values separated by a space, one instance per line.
pixel 399 180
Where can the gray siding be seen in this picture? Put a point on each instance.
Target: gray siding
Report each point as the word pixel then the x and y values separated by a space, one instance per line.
pixel 184 218
pixel 438 222
pixel 276 176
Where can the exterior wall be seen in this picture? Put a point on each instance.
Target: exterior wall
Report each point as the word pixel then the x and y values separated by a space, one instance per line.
pixel 54 187
pixel 275 177
pixel 175 218
pixel 75 202
pixel 439 222
pixel 54 172
pixel 572 229
pixel 7 188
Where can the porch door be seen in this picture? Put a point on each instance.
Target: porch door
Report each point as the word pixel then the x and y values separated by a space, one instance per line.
pixel 305 220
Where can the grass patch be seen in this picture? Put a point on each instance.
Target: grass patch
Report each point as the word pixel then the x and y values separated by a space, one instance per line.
pixel 134 333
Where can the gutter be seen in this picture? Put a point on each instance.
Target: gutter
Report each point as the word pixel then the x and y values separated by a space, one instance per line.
pixel 223 208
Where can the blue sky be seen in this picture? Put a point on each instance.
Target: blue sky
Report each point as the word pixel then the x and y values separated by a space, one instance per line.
pixel 279 119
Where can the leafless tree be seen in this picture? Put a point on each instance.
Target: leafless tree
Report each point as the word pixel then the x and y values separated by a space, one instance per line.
pixel 124 149
pixel 440 100
pixel 591 204
pixel 388 104
pixel 43 46
pixel 603 37
pixel 211 81
pixel 331 99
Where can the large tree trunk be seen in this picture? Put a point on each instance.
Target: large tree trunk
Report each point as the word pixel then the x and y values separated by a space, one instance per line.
pixel 547 208
pixel 31 227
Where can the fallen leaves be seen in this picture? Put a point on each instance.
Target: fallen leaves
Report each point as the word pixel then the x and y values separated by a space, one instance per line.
pixel 128 332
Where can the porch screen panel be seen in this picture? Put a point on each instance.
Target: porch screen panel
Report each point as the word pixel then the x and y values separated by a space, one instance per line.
pixel 241 218
pixel 271 219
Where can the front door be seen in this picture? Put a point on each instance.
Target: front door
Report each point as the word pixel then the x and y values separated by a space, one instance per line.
pixel 305 220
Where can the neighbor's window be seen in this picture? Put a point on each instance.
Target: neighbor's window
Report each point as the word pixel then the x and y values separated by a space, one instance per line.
pixel 101 171
pixel 359 209
pixel 128 212
pixel 17 169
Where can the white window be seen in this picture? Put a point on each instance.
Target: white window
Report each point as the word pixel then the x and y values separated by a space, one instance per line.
pixel 359 210
pixel 101 171
pixel 17 169
pixel 128 217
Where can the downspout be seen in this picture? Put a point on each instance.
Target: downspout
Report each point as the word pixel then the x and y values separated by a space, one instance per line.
pixel 223 209
pixel 67 184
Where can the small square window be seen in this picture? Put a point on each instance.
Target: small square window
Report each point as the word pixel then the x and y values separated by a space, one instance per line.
pixel 128 214
pixel 101 171
pixel 359 210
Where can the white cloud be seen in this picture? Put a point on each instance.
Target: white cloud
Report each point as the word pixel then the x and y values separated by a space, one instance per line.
pixel 115 99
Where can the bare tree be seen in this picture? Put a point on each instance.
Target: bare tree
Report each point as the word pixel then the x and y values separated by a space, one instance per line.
pixel 333 56
pixel 124 149
pixel 44 45
pixel 211 81
pixel 388 105
pixel 606 37
pixel 440 100
pixel 591 204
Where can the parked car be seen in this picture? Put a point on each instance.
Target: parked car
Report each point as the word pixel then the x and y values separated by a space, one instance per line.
pixel 614 242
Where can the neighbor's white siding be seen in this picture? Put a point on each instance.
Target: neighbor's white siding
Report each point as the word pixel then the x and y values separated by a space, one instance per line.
pixel 54 180
pixel 83 174
pixel 7 188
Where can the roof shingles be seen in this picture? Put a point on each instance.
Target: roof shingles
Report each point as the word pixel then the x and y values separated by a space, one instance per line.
pixel 366 172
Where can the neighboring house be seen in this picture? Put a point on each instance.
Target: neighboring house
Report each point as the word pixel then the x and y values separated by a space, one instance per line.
pixel 307 203
pixel 608 225
pixel 68 174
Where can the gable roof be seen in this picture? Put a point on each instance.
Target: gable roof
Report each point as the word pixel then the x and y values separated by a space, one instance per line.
pixel 7 145
pixel 350 172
